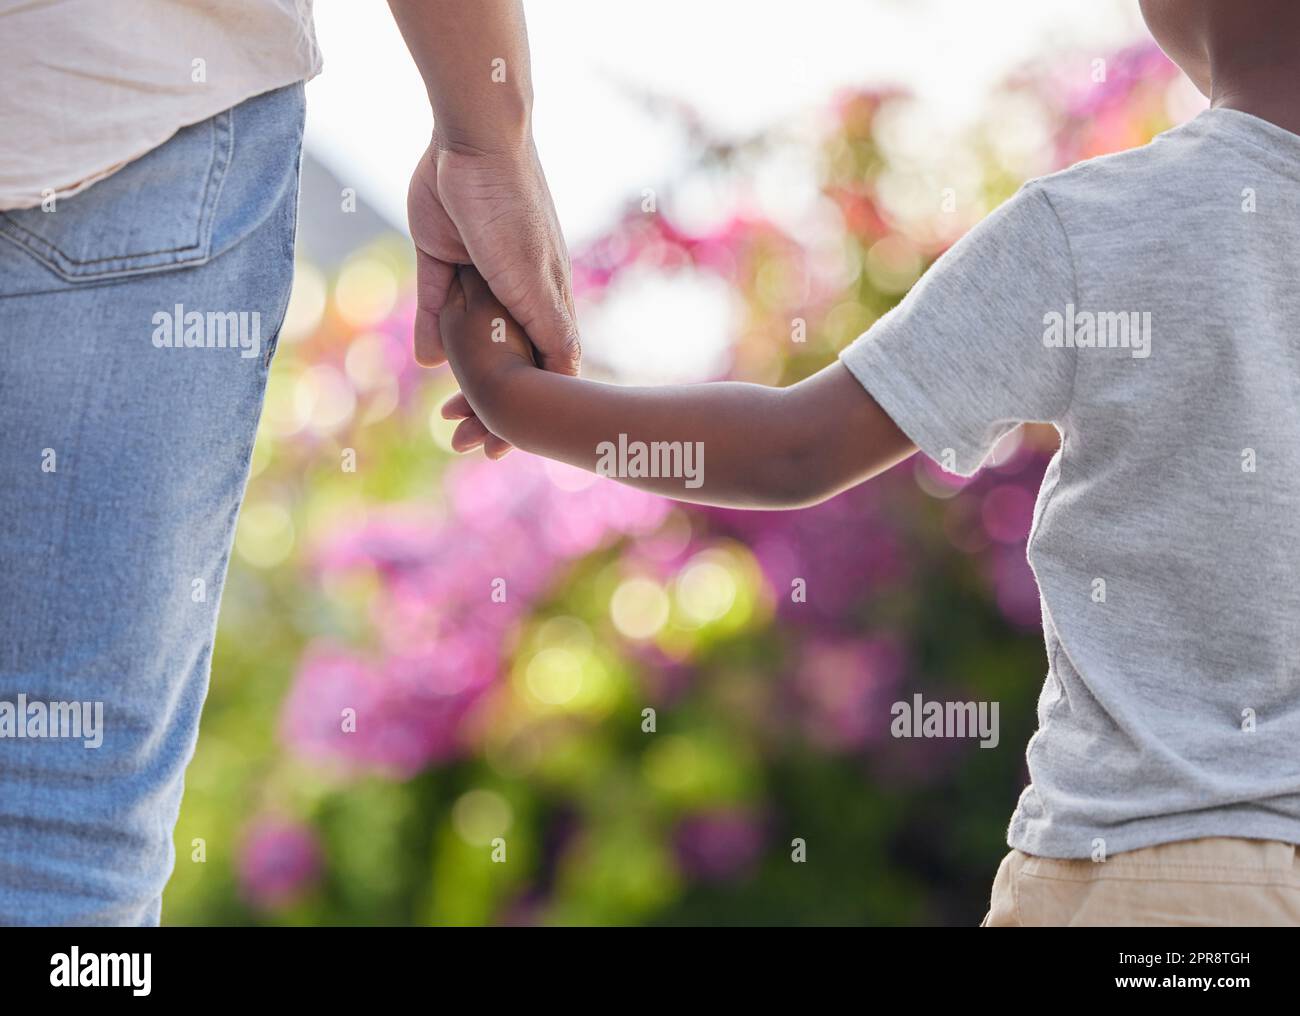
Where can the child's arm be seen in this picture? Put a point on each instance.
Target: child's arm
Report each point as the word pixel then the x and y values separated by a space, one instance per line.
pixel 737 445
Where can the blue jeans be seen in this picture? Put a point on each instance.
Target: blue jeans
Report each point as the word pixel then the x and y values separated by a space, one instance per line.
pixel 138 320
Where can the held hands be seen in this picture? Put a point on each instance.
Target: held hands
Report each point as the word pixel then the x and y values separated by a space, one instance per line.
pixel 494 210
pixel 483 344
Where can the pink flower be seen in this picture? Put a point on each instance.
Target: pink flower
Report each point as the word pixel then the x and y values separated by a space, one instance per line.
pixel 838 553
pixel 451 592
pixel 719 844
pixel 1007 512
pixel 397 715
pixel 1015 588
pixel 279 862
pixel 845 687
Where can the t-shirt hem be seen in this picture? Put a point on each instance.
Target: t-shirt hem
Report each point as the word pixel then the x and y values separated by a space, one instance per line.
pixel 869 363
pixel 17 199
pixel 1041 839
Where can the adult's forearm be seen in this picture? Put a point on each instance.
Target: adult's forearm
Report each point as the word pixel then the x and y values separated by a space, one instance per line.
pixel 473 56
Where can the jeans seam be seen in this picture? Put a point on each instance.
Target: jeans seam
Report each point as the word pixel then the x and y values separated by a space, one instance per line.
pixel 274 342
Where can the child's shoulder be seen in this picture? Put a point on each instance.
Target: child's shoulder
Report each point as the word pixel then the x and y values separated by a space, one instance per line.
pixel 1152 180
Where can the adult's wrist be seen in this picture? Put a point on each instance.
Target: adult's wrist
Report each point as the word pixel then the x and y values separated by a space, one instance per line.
pixel 503 128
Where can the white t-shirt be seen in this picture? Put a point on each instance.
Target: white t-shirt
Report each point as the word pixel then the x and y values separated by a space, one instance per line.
pixel 88 85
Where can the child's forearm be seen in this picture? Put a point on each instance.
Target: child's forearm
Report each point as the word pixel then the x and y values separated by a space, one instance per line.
pixel 727 444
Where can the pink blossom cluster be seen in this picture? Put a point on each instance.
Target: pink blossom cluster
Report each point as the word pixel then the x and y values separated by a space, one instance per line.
pixel 450 591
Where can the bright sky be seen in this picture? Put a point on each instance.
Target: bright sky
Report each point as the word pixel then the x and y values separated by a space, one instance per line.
pixel 744 64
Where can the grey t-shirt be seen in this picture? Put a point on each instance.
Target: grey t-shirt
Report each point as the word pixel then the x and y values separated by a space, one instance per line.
pixel 1148 305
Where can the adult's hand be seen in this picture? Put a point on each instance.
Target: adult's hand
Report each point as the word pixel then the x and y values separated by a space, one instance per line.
pixel 478 194
pixel 492 210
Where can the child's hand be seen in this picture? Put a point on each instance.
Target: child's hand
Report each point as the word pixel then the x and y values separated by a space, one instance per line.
pixel 483 343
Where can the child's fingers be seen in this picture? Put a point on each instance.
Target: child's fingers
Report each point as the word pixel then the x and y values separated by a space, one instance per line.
pixel 494 448
pixel 469 434
pixel 455 293
pixel 474 285
pixel 477 292
pixel 456 408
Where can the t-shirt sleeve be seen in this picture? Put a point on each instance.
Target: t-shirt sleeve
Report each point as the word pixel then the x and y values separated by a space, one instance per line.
pixel 962 359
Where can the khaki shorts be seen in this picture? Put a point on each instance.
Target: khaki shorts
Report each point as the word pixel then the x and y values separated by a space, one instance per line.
pixel 1219 881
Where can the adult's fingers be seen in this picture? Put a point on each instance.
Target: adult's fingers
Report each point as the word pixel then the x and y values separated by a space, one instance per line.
pixel 543 304
pixel 558 347
pixel 432 280
pixel 503 213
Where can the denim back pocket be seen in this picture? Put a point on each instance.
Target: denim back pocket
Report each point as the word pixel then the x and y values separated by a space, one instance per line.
pixel 153 214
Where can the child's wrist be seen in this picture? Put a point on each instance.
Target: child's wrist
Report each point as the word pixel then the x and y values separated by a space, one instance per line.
pixel 501 370
pixel 490 386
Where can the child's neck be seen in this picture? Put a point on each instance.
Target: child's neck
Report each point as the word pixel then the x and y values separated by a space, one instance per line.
pixel 1270 93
